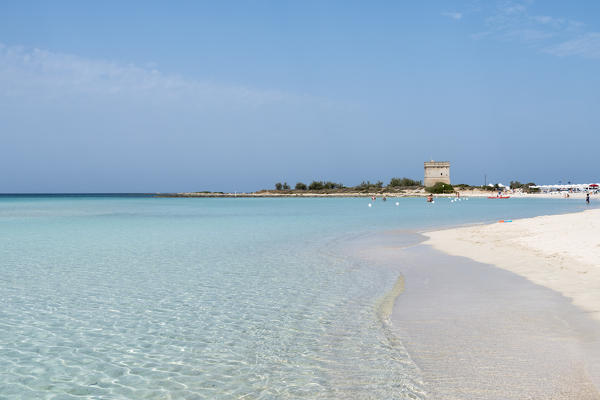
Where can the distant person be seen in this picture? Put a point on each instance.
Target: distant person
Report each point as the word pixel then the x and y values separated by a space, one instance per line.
pixel 587 198
pixel 430 198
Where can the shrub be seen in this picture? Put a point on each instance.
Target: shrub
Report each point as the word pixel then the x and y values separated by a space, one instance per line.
pixel 397 182
pixel 364 185
pixel 440 187
pixel 320 185
pixel 300 186
pixel 368 185
pixel 332 185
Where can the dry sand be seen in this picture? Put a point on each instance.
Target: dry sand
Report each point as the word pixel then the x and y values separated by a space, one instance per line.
pixel 560 252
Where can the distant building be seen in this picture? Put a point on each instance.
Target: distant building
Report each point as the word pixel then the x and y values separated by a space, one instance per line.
pixel 436 171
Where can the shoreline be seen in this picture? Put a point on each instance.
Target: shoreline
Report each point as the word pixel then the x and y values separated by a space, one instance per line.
pixel 560 252
pixel 475 331
pixel 480 332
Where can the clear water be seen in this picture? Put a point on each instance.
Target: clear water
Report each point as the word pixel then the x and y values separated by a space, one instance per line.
pixel 125 297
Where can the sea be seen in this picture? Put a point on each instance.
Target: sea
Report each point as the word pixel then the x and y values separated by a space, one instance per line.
pixel 142 297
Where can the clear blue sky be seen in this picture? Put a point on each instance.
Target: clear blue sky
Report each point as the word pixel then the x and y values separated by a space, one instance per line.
pixel 174 96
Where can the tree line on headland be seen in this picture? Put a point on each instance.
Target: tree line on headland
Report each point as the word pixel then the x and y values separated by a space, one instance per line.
pixel 364 186
pixel 395 185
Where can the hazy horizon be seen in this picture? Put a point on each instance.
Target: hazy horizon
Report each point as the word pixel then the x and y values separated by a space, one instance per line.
pixel 110 97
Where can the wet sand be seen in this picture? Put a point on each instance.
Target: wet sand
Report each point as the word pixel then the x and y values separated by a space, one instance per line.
pixel 479 332
pixel 561 252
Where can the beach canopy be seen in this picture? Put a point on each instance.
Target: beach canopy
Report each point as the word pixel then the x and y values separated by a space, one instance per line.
pixel 580 187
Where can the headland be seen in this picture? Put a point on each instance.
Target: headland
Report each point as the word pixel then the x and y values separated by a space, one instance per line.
pixel 391 193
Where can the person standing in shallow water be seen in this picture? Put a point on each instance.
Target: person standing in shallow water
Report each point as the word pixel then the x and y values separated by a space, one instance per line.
pixel 587 198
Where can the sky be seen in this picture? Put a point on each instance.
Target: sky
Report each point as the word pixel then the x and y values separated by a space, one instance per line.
pixel 155 96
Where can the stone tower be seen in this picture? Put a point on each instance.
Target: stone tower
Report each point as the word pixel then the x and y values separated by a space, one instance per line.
pixel 436 171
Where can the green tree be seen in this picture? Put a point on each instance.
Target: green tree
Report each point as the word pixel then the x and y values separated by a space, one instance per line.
pixel 332 185
pixel 316 185
pixel 300 186
pixel 527 187
pixel 515 185
pixel 286 186
pixel 278 186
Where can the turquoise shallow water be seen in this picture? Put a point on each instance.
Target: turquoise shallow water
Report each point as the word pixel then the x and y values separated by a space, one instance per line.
pixel 125 297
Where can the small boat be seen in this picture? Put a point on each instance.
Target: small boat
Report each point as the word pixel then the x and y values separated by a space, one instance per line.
pixel 498 197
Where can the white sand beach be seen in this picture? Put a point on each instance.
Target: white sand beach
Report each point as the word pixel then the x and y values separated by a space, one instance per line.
pixel 523 331
pixel 560 252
